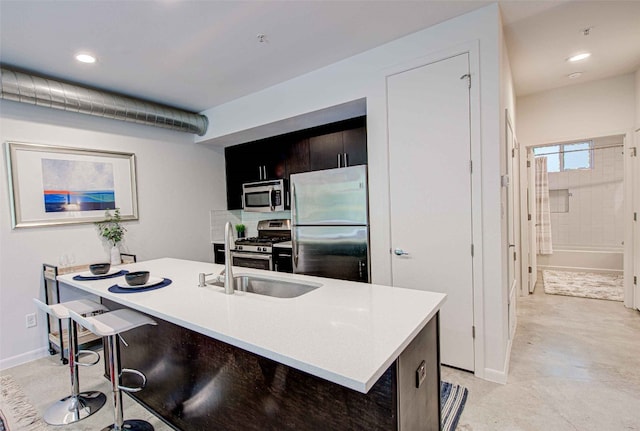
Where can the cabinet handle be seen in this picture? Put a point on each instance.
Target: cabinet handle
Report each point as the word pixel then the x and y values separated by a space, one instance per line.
pixel 262 172
pixel 339 161
pixel 294 242
pixel 345 157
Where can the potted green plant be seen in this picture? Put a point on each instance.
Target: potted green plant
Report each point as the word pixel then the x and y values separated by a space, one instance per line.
pixel 111 229
pixel 240 230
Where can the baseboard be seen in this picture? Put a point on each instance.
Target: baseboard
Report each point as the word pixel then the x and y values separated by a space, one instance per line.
pixel 500 376
pixel 23 358
pixel 495 376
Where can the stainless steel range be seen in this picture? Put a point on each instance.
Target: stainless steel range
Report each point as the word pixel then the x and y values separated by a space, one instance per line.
pixel 257 252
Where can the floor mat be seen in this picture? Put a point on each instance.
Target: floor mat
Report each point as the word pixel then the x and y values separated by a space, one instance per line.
pixel 452 401
pixel 583 284
pixel 16 411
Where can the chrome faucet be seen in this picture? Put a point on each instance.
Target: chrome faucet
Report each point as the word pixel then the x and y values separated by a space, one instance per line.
pixel 226 274
pixel 228 269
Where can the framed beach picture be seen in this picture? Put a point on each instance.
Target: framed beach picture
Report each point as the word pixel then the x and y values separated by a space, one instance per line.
pixel 51 185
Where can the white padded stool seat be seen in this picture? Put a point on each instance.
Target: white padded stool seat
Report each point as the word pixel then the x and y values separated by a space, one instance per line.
pixel 113 322
pixel 61 310
pixel 78 405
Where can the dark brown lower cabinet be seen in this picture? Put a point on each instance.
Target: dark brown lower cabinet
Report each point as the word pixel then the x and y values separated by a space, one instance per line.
pixel 198 383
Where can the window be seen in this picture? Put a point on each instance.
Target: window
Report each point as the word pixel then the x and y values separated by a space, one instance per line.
pixel 567 157
pixel 553 156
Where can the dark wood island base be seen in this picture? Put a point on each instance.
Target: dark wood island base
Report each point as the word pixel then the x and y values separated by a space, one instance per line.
pixel 195 383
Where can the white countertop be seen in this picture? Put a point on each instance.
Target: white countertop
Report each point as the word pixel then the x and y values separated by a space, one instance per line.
pixel 345 332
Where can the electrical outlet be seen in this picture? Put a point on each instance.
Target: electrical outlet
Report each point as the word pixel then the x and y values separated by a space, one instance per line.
pixel 31 320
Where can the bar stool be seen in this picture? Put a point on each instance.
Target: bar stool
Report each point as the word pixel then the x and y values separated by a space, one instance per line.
pixel 111 325
pixel 78 405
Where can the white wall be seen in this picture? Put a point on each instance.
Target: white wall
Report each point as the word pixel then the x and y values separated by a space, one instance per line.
pixel 179 182
pixel 599 108
pixel 363 76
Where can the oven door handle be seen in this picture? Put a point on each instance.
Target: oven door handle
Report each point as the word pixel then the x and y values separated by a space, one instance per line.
pixel 252 256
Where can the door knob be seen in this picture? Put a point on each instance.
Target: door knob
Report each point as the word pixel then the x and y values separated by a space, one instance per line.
pixel 400 252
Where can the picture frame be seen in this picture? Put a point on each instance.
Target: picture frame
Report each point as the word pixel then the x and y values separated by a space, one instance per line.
pixel 54 185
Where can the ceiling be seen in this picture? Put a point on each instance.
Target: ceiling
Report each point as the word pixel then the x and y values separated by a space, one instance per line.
pixel 199 54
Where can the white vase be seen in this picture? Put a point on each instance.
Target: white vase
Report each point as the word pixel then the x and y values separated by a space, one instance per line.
pixel 115 255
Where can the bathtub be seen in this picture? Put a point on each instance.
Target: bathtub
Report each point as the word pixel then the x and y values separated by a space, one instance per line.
pixel 582 260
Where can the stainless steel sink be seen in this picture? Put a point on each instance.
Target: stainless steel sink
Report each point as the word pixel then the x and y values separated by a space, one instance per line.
pixel 275 287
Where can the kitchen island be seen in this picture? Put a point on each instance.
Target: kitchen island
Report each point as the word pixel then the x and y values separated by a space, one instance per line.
pixel 343 356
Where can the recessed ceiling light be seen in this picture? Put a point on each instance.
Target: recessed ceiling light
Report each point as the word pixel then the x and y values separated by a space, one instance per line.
pixel 574 75
pixel 579 57
pixel 85 58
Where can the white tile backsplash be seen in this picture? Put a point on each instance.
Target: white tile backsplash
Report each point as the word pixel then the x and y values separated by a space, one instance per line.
pixel 595 203
pixel 250 219
pixel 218 220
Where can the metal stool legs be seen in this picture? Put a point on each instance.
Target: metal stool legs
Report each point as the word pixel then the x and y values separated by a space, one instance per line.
pixel 78 405
pixel 111 325
pixel 114 366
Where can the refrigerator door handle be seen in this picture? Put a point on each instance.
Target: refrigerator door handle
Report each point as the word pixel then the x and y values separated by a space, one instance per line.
pixel 295 248
pixel 294 220
pixel 294 241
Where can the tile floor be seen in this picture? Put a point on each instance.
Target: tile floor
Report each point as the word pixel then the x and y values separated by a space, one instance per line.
pixel 575 365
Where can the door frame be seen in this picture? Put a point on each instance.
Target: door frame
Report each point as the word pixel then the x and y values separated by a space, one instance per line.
pixel 632 224
pixel 513 225
pixel 631 248
pixel 527 207
pixel 472 48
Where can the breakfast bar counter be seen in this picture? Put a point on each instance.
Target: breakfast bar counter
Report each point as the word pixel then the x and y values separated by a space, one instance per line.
pixel 340 353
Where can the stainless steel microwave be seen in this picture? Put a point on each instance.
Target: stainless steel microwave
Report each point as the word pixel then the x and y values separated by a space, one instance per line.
pixel 265 196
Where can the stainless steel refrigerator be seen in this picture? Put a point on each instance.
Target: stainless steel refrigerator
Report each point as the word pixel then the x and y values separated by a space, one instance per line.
pixel 330 223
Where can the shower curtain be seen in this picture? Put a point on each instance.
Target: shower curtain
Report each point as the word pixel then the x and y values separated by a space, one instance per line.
pixel 543 213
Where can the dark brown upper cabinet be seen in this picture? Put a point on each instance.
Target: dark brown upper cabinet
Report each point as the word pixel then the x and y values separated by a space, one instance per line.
pixel 298 156
pixel 338 149
pixel 254 161
pixel 325 147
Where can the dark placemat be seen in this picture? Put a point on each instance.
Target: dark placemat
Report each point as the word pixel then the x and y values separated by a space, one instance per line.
pixel 100 277
pixel 117 289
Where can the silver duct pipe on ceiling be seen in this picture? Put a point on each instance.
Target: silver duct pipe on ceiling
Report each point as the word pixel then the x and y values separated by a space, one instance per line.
pixel 36 90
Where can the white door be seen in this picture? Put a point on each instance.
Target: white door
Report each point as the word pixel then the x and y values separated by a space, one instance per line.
pixel 509 187
pixel 430 187
pixel 531 205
